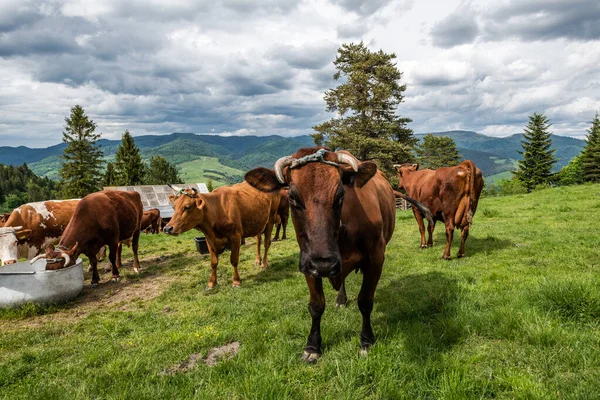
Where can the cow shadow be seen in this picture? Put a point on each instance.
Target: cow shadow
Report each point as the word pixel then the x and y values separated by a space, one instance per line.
pixel 475 244
pixel 280 268
pixel 421 310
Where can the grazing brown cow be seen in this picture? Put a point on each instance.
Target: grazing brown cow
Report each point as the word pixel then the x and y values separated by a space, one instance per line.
pixel 32 226
pixel 103 218
pixel 343 212
pixel 225 216
pixel 283 214
pixel 451 193
pixel 151 221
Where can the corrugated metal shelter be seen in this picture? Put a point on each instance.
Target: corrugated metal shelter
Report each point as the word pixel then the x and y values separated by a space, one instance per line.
pixel 157 196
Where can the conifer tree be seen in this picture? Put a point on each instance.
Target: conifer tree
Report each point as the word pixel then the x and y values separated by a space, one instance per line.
pixel 82 159
pixel 365 103
pixel 110 175
pixel 590 157
pixel 538 158
pixel 161 172
pixel 437 151
pixel 128 167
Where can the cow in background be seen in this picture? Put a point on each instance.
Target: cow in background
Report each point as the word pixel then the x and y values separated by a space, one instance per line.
pixel 343 212
pixel 33 226
pixel 225 216
pixel 3 219
pixel 151 221
pixel 451 193
pixel 283 215
pixel 109 217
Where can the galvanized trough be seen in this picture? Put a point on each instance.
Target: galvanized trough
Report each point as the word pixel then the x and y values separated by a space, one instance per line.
pixel 23 282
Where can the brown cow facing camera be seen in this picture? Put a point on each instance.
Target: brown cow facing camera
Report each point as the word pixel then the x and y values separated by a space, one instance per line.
pixel 343 211
pixel 451 193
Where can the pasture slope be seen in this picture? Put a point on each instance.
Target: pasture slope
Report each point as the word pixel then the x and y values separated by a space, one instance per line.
pixel 517 318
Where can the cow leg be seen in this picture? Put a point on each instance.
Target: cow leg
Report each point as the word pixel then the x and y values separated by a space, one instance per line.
pixel 449 237
pixel 94 268
pixel 463 239
pixel 341 299
pixel 235 258
pixel 214 261
pixel 430 229
pixel 316 307
pixel 268 232
pixel 421 225
pixel 135 241
pixel 258 242
pixel 114 256
pixel 284 228
pixel 277 228
pixel 365 300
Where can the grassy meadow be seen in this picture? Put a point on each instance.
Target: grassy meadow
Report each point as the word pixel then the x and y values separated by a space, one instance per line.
pixel 203 168
pixel 519 317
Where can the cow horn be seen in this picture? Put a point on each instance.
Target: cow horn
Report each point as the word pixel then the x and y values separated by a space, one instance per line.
pixel 67 258
pixel 34 259
pixel 347 159
pixel 280 165
pixel 174 188
pixel 396 166
pixel 195 190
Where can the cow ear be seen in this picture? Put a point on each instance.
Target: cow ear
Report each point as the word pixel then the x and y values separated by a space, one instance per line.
pixel 263 179
pixel 72 251
pixel 50 248
pixel 416 166
pixel 23 234
pixel 172 199
pixel 366 170
pixel 200 203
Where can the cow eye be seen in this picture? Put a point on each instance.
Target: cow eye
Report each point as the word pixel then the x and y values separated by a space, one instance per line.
pixel 294 202
pixel 187 207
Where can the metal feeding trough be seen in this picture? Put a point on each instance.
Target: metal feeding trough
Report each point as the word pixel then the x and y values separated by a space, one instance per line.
pixel 23 282
pixel 202 246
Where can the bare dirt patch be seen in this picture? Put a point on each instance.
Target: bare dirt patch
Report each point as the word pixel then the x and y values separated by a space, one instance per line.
pixel 212 358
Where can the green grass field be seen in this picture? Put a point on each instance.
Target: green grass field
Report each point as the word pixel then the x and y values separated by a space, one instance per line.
pixel 518 318
pixel 195 171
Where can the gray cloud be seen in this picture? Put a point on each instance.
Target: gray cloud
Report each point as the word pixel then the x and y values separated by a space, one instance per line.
pixel 362 7
pixel 457 28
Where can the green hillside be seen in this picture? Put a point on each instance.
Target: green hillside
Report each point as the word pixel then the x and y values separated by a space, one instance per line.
pixel 203 168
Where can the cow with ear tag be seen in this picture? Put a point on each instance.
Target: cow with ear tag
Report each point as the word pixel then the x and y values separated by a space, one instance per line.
pixel 343 211
pixel 225 216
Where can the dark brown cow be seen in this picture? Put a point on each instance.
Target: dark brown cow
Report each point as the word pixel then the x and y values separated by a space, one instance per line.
pixel 151 221
pixel 108 218
pixel 283 214
pixel 344 215
pixel 451 193
pixel 225 216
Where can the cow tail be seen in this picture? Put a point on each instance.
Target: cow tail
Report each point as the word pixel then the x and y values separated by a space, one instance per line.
pixel 471 194
pixel 423 210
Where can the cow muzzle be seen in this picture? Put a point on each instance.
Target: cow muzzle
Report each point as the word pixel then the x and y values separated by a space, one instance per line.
pixel 168 229
pixel 323 267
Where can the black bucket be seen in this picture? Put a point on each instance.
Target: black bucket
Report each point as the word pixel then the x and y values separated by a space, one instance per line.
pixel 202 246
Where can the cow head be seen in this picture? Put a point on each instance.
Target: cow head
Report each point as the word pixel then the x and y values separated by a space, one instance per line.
pixel 403 170
pixel 317 179
pixel 3 218
pixel 189 210
pixel 10 238
pixel 59 257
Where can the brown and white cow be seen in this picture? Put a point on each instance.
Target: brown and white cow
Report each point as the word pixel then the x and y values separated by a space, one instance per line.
pixel 225 216
pixel 343 212
pixel 283 215
pixel 451 193
pixel 33 226
pixel 3 219
pixel 151 221
pixel 109 217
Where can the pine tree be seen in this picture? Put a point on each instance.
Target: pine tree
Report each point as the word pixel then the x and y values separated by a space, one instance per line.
pixel 590 157
pixel 161 172
pixel 128 168
pixel 538 158
pixel 81 169
pixel 210 185
pixel 365 104
pixel 110 175
pixel 437 151
pixel 572 173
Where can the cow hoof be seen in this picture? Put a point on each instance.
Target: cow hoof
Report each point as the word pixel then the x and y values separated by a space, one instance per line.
pixel 340 305
pixel 257 263
pixel 423 246
pixel 116 279
pixel 460 255
pixel 429 244
pixel 310 358
pixel 209 288
pixel 447 258
pixel 263 268
pixel 94 284
pixel 364 351
pixel 235 285
pixel 136 270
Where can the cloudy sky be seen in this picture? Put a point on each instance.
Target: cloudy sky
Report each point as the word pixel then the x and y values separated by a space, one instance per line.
pixel 261 67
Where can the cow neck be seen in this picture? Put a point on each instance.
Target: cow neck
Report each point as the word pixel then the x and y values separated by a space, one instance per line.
pixel 72 236
pixel 409 178
pixel 212 213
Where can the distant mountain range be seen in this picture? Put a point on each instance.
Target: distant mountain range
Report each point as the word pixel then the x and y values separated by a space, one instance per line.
pixel 493 155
